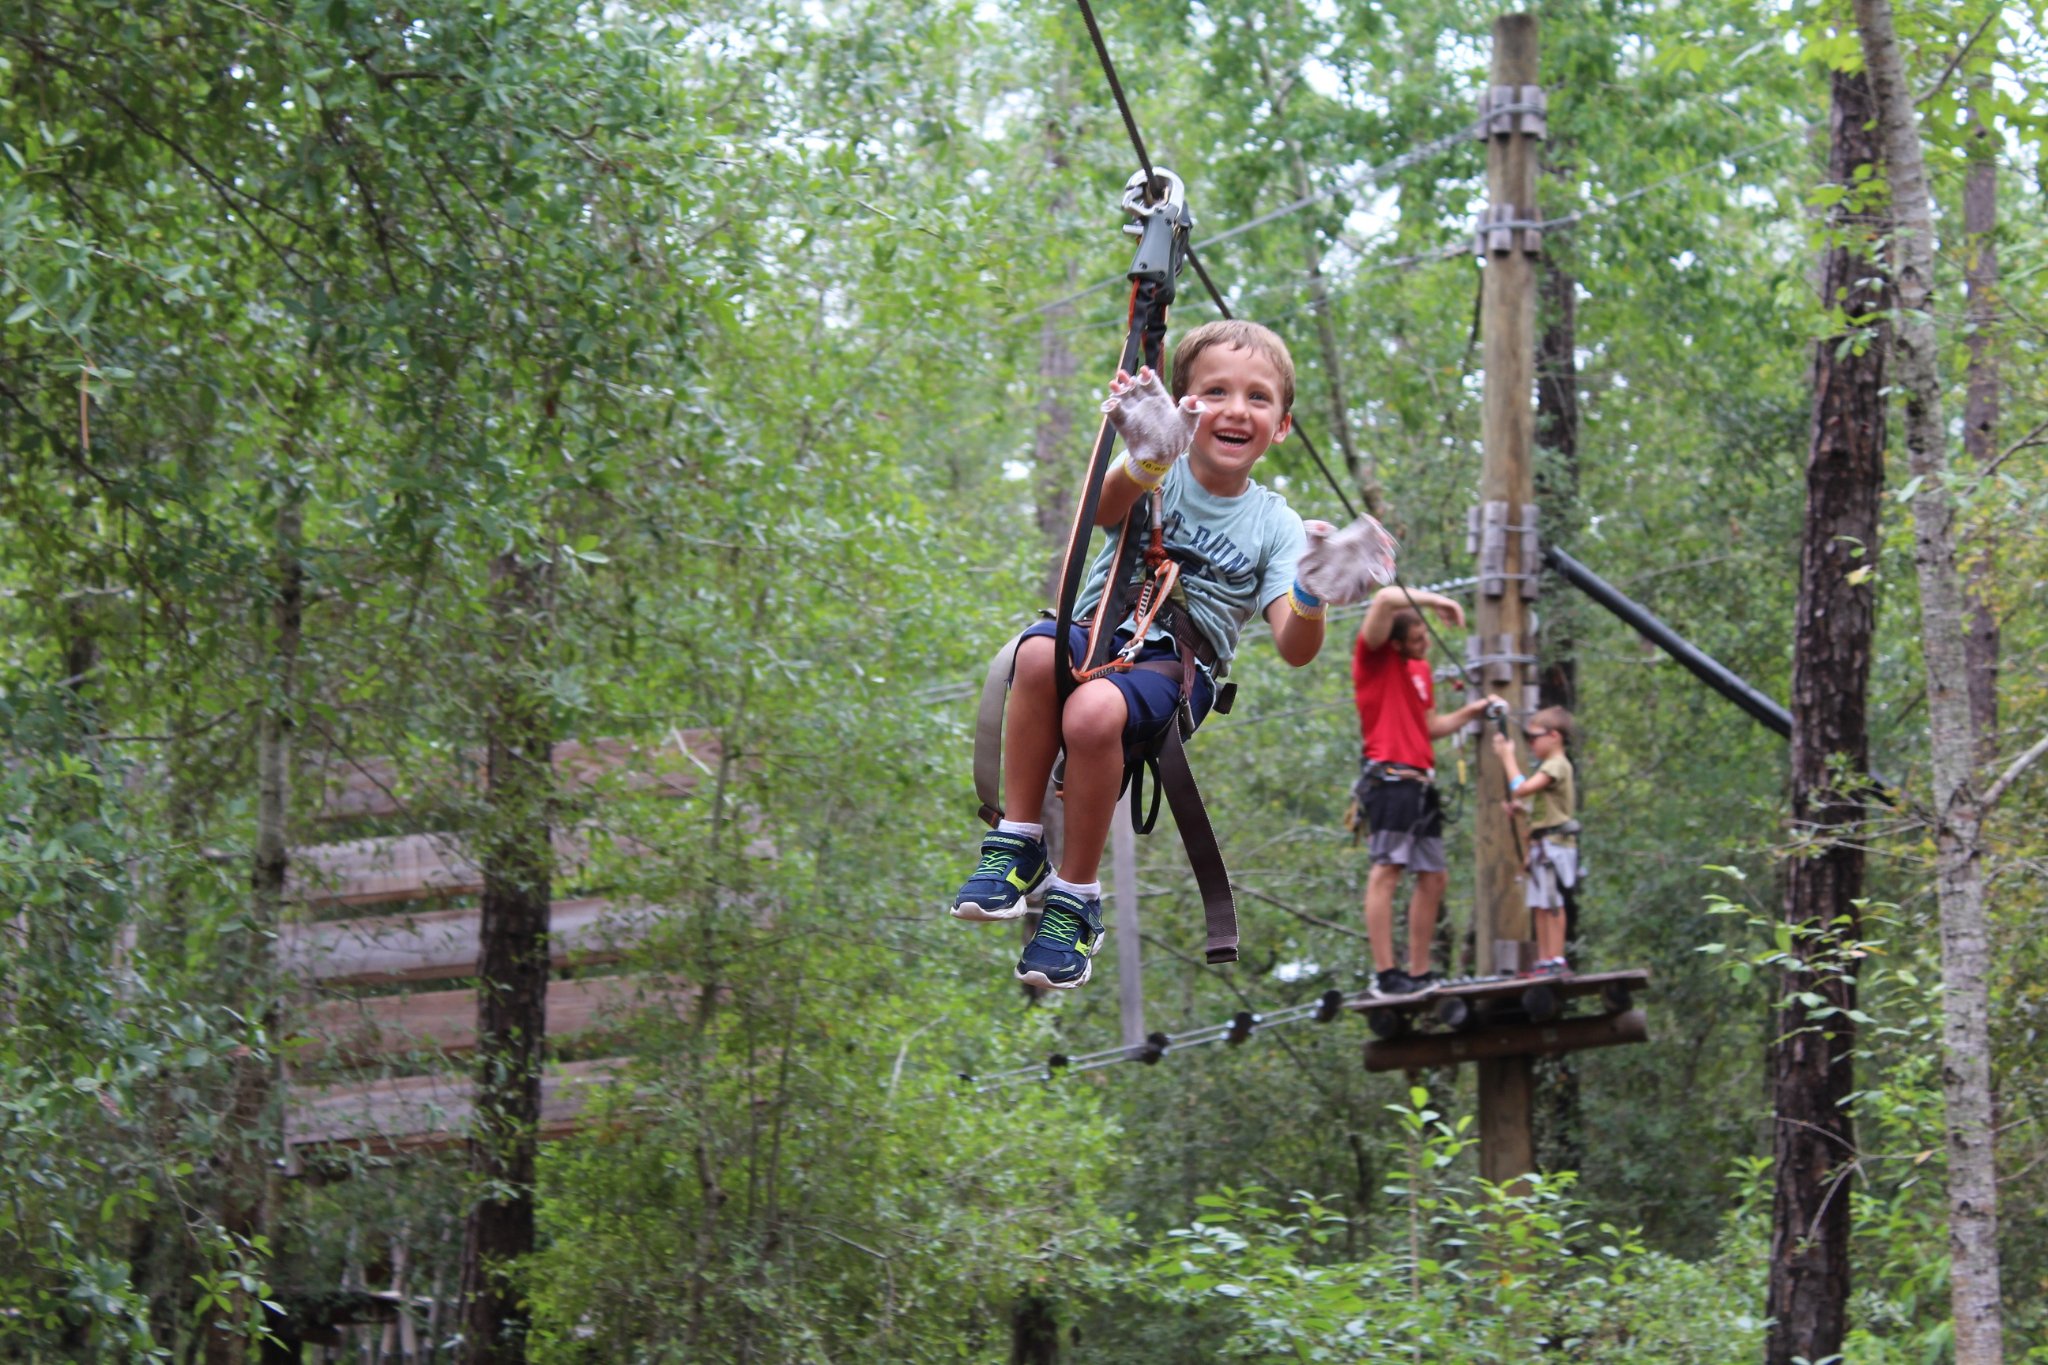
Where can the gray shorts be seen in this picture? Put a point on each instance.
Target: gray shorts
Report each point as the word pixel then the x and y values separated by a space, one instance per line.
pixel 1552 868
pixel 1407 823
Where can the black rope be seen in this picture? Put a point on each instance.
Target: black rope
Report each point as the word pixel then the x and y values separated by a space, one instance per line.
pixel 1116 88
pixel 1216 297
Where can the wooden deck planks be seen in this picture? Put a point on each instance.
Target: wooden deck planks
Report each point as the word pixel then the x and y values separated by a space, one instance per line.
pixel 405 867
pixel 365 787
pixel 402 1114
pixel 434 945
pixel 383 1026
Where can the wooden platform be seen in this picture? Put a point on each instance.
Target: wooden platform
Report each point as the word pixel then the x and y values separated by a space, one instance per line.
pixel 355 1010
pixel 1503 1017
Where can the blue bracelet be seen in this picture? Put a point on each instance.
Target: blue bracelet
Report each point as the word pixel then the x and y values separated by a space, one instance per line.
pixel 1304 596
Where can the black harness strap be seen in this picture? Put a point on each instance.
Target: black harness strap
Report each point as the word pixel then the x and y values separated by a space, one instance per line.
pixel 1156 200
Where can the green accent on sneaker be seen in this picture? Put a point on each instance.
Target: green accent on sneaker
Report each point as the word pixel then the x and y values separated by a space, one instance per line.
pixel 1021 883
pixel 1061 928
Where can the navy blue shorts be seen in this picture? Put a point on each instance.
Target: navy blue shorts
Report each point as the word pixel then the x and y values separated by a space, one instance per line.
pixel 1151 698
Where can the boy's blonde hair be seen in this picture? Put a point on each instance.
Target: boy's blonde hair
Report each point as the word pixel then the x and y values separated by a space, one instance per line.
pixel 1243 335
pixel 1558 719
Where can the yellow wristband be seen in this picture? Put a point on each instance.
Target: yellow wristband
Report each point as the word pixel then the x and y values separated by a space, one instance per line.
pixel 1306 613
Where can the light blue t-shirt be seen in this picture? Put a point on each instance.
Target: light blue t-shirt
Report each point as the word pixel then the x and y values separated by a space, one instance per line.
pixel 1237 554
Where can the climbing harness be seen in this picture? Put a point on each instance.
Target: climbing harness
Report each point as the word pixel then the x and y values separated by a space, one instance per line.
pixel 1142 587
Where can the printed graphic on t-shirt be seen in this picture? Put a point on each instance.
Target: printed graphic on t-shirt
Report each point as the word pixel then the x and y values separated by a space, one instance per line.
pixel 1221 561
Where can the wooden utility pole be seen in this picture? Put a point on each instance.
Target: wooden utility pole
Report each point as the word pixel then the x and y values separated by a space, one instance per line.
pixel 1507 544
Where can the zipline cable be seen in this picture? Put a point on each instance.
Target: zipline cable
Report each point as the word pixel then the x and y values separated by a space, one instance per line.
pixel 1116 88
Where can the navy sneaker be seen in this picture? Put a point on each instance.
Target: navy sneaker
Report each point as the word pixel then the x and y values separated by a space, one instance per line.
pixel 1392 981
pixel 1428 981
pixel 1012 866
pixel 1060 955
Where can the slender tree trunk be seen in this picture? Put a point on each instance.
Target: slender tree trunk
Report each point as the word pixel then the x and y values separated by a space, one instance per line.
pixel 1980 405
pixel 1034 1331
pixel 512 973
pixel 1557 464
pixel 1812 1077
pixel 1959 873
pixel 1052 438
pixel 1364 476
pixel 245 1174
pixel 1561 1143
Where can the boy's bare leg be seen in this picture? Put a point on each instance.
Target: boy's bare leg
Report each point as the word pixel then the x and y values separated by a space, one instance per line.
pixel 1549 933
pixel 1031 740
pixel 1380 885
pixel 1095 719
pixel 1422 911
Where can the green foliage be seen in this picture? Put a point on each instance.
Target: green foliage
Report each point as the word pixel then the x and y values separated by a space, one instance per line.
pixel 745 319
pixel 1489 1273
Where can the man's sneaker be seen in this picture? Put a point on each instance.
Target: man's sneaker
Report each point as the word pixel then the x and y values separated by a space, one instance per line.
pixel 1061 954
pixel 1012 866
pixel 1392 981
pixel 1428 981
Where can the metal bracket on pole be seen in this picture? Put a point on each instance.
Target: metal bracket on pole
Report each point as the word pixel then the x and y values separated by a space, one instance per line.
pixel 1486 535
pixel 1493 548
pixel 1503 228
pixel 1532 554
pixel 1494 657
pixel 1506 109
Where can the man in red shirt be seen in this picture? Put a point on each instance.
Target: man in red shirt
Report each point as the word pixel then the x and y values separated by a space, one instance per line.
pixel 1397 783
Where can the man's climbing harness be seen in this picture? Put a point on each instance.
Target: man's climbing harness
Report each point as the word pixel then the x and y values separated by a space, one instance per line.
pixel 1141 586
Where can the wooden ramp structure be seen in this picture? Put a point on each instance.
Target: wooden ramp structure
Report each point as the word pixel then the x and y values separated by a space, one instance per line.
pixel 399 1049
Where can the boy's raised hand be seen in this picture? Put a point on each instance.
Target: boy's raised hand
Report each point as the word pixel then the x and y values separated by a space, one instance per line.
pixel 1342 566
pixel 1156 430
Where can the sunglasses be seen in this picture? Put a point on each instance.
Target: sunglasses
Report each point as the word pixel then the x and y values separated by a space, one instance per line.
pixel 1535 733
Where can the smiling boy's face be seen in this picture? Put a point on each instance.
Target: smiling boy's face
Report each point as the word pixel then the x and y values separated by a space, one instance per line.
pixel 1240 391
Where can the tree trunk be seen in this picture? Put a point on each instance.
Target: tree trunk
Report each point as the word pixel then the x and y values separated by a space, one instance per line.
pixel 1557 464
pixel 245 1170
pixel 1959 873
pixel 1364 476
pixel 1561 1142
pixel 1812 1076
pixel 1052 438
pixel 1980 405
pixel 1034 1331
pixel 512 970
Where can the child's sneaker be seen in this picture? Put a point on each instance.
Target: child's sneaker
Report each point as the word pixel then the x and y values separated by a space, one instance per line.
pixel 1392 981
pixel 1061 954
pixel 1428 981
pixel 1012 866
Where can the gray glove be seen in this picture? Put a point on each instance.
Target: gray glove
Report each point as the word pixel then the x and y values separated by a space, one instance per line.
pixel 1156 430
pixel 1343 566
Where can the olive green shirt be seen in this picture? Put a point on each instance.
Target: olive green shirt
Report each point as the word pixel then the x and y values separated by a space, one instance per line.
pixel 1556 803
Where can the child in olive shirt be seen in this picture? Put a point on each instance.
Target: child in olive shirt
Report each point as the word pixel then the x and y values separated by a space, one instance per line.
pixel 1551 795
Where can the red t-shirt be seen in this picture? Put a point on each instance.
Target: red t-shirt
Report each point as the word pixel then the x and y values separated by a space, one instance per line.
pixel 1395 697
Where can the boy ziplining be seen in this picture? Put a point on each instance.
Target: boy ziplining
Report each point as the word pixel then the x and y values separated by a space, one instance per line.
pixel 1239 547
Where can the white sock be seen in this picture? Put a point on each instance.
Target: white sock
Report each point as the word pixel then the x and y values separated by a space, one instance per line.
pixel 1019 827
pixel 1085 890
